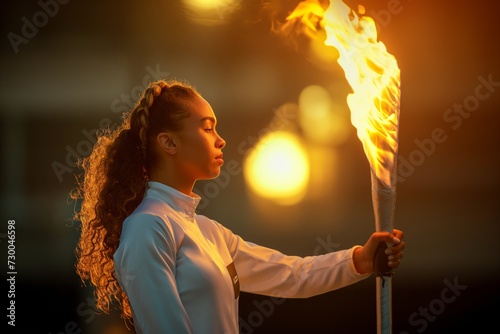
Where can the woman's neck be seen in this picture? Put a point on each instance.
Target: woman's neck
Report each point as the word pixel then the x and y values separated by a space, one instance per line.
pixel 172 180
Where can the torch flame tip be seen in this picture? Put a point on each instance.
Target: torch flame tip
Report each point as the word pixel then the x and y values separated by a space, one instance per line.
pixel 372 73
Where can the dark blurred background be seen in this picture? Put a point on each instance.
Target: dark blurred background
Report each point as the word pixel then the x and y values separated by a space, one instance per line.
pixel 83 62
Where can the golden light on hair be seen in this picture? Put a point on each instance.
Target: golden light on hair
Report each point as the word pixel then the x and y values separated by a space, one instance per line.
pixel 277 168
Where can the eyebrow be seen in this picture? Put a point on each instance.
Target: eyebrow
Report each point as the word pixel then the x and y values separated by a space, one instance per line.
pixel 209 118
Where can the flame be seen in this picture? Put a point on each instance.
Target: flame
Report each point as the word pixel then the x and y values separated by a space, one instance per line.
pixel 372 73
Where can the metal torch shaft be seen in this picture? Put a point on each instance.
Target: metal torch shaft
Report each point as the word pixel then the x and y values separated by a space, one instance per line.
pixel 383 199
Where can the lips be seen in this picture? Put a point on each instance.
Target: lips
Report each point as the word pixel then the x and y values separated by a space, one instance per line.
pixel 220 158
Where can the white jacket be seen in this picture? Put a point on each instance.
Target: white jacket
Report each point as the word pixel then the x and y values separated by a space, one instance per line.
pixel 175 267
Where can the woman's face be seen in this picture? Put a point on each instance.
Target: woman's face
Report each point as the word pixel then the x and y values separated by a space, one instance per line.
pixel 199 146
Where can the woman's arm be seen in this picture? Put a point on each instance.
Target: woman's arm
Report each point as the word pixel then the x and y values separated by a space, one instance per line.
pixel 266 271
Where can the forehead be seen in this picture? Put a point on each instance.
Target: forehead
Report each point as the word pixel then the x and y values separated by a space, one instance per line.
pixel 201 110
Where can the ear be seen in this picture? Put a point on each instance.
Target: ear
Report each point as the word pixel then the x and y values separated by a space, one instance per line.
pixel 166 142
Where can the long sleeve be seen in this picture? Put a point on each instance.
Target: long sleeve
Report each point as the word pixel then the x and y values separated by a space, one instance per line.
pixel 145 267
pixel 266 271
pixel 182 272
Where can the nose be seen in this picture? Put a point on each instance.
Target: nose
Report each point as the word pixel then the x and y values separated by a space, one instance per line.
pixel 220 142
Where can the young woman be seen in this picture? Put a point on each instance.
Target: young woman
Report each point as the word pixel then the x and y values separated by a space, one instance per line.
pixel 143 245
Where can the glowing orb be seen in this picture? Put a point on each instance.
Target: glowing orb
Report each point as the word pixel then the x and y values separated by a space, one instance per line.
pixel 277 168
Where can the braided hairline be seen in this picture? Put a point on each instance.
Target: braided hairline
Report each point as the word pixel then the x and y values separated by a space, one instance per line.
pixel 154 89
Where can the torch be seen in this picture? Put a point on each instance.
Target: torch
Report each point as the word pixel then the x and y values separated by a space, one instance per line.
pixel 373 75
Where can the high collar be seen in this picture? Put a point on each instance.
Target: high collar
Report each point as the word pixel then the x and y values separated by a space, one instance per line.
pixel 178 201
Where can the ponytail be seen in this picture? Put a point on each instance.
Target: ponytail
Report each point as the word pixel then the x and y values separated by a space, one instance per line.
pixel 113 186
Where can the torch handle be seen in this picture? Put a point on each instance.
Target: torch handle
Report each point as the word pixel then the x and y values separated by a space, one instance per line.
pixel 383 199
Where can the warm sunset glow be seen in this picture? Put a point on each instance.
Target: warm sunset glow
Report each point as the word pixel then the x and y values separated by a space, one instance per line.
pixel 372 73
pixel 278 168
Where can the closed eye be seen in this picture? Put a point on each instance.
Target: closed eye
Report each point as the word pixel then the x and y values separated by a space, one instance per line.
pixel 208 124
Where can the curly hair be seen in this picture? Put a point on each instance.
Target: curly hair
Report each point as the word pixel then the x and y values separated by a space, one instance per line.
pixel 113 183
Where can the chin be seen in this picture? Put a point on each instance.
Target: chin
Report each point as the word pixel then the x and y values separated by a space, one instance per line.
pixel 215 175
pixel 211 175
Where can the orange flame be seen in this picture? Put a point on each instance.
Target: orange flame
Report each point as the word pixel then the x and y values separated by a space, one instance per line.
pixel 372 73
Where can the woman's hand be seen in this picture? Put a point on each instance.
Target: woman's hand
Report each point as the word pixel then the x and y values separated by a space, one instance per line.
pixel 363 256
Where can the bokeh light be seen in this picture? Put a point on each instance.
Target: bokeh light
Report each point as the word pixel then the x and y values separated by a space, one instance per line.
pixel 323 56
pixel 322 120
pixel 210 12
pixel 277 168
